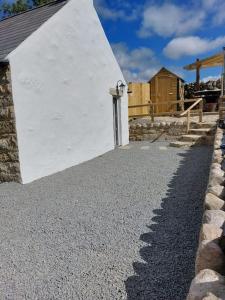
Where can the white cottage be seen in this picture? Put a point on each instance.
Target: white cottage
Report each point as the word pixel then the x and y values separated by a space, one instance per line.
pixel 56 70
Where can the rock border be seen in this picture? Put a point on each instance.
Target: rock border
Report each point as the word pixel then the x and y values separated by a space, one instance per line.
pixel 209 282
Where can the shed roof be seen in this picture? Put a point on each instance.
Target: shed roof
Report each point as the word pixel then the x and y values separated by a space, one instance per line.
pixel 15 29
pixel 212 61
pixel 164 69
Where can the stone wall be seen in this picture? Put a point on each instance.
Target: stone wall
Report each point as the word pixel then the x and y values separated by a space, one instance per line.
pixel 9 160
pixel 209 282
pixel 146 130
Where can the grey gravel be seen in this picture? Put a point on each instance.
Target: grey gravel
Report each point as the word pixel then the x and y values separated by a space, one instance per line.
pixel 122 226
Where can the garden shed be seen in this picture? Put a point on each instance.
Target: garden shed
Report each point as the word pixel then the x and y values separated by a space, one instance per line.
pixel 165 87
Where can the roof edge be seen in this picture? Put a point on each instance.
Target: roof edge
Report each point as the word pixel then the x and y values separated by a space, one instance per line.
pixel 163 68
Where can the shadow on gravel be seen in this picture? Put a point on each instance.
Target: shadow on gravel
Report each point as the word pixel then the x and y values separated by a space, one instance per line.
pixel 171 242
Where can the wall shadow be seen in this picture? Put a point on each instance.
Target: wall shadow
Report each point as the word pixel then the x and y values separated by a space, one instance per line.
pixel 167 266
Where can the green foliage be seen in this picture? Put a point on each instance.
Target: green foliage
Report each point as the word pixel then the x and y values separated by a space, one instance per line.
pixel 40 2
pixel 9 9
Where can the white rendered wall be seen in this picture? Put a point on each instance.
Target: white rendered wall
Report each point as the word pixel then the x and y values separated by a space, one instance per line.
pixel 61 77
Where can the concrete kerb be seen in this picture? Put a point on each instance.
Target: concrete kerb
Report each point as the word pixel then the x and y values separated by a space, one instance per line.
pixel 209 282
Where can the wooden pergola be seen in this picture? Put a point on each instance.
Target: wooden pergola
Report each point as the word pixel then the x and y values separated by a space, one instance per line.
pixel 212 61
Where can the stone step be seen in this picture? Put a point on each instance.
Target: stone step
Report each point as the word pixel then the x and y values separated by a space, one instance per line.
pixel 200 131
pixel 181 144
pixel 191 138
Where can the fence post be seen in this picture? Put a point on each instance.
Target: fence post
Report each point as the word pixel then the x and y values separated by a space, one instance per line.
pixel 188 121
pixel 220 108
pixel 182 104
pixel 201 112
pixel 152 112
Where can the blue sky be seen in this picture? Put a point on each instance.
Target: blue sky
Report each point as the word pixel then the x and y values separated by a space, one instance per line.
pixel 148 34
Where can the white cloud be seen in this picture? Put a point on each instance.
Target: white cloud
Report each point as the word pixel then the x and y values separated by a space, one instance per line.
pixel 209 4
pixel 123 10
pixel 137 65
pixel 191 45
pixel 211 78
pixel 178 70
pixel 168 19
pixel 215 10
pixel 219 15
pixel 164 18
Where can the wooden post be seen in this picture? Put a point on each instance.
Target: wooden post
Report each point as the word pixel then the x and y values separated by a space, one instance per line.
pixel 220 106
pixel 152 110
pixel 182 105
pixel 181 94
pixel 188 120
pixel 197 75
pixel 201 111
pixel 157 94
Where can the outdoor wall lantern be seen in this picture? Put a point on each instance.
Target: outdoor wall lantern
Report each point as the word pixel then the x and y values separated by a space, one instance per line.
pixel 120 87
pixel 119 90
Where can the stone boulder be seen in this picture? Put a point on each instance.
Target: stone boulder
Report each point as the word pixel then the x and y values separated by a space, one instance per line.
pixel 217 190
pixel 213 202
pixel 209 256
pixel 218 137
pixel 216 217
pixel 216 180
pixel 217 159
pixel 216 166
pixel 210 296
pixel 219 152
pixel 218 140
pixel 207 283
pixel 210 232
pixel 216 172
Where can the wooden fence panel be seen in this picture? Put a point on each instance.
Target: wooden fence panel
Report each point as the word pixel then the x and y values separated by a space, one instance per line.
pixel 139 93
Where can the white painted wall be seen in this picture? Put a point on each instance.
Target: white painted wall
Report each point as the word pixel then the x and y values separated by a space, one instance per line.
pixel 61 77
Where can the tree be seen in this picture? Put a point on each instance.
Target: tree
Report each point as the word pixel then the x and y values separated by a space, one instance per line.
pixel 40 2
pixel 8 9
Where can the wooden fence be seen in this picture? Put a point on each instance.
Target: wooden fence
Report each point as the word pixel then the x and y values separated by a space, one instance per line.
pixel 150 108
pixel 191 109
pixel 139 95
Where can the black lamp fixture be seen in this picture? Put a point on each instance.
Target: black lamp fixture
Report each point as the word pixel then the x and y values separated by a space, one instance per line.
pixel 120 87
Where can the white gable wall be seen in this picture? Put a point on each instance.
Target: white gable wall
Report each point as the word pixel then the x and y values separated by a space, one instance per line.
pixel 61 77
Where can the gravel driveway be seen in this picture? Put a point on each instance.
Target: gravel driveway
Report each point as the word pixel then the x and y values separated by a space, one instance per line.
pixel 122 226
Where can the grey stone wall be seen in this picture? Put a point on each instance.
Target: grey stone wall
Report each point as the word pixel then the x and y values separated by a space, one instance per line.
pixel 9 159
pixel 149 131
